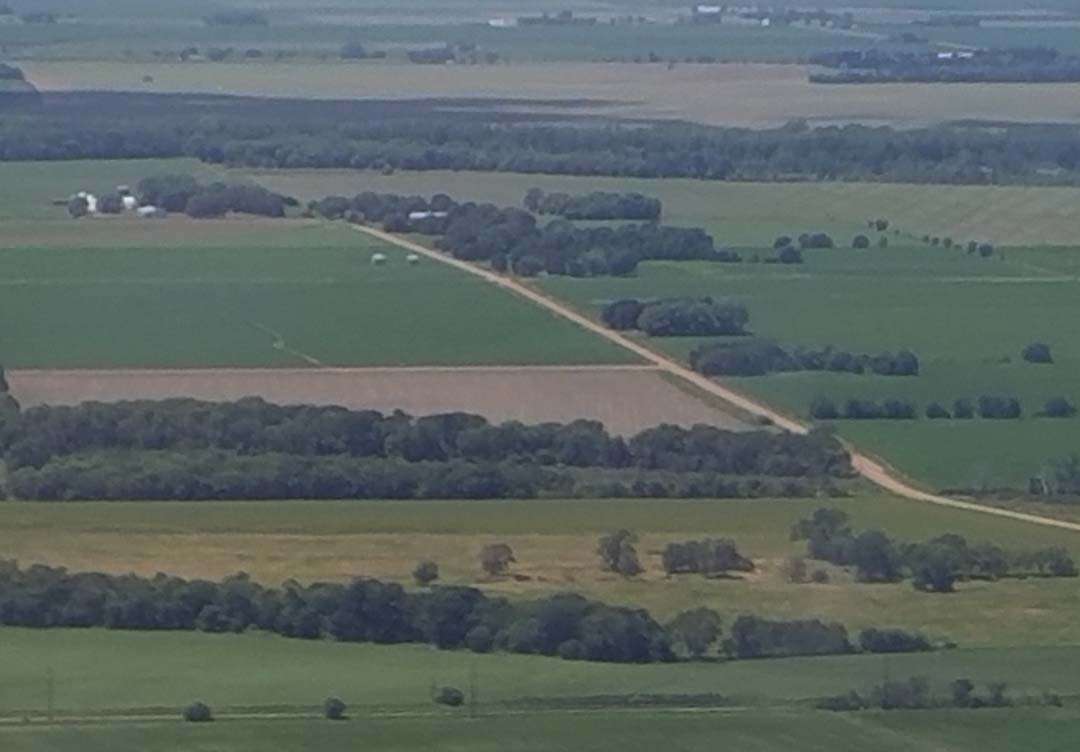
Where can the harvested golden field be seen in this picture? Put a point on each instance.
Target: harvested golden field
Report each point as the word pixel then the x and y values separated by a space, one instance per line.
pixel 744 94
pixel 626 399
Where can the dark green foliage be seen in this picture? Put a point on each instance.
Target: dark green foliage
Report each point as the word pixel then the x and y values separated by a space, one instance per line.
pixel 10 72
pixel 754 637
pixel 616 551
pixel 823 408
pixel 236 18
pixel 963 409
pixel 708 557
pixel 425 573
pixel 353 51
pixel 695 630
pixel 986 250
pixel 1059 407
pixel 1060 478
pixel 110 203
pixel 677 317
pixel 198 712
pixel 934 566
pixel 888 410
pixel 756 358
pixel 78 207
pixel 994 407
pixel 170 192
pixel 449 696
pixel 936 411
pixel 789 255
pixel 334 709
pixel 812 240
pixel 185 449
pixel 1037 352
pixel 860 242
pixel 594 206
pixel 893 641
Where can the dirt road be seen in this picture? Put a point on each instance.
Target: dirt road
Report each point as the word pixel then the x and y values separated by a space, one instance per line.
pixel 869 468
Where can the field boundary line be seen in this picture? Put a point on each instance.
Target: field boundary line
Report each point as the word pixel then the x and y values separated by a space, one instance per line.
pixel 324 369
pixel 871 469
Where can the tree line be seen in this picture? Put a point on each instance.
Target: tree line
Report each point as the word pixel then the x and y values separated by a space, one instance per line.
pixel 677 317
pixel 987 407
pixel 917 693
pixel 182 193
pixel 933 566
pixel 293 134
pixel 757 358
pixel 186 449
pixel 366 610
pixel 1010 65
pixel 596 205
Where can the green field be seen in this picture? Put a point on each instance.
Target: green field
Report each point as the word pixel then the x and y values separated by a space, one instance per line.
pixel 554 543
pixel 286 293
pixel 761 731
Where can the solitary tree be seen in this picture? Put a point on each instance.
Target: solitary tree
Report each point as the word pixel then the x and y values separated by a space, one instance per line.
pixel 426 572
pixel 618 553
pixel 496 558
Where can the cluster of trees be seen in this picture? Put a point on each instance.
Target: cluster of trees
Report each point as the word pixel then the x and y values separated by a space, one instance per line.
pixel 709 557
pixel 917 694
pixel 1059 479
pixel 1016 65
pixel 187 449
pixel 805 241
pixel 288 134
pixel 1038 353
pixel 757 358
pixel 183 193
pixel 933 566
pixel 677 317
pixel 10 73
pixel 511 239
pixel 596 205
pixel 237 18
pixel 823 408
pixel 364 610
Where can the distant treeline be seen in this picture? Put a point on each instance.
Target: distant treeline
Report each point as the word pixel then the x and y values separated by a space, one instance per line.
pixel 758 358
pixel 310 134
pixel 1022 65
pixel 512 240
pixel 933 566
pixel 677 317
pixel 10 73
pixel 988 407
pixel 370 611
pixel 596 205
pixel 185 449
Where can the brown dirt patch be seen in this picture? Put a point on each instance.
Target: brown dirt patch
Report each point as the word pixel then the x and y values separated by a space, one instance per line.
pixel 625 399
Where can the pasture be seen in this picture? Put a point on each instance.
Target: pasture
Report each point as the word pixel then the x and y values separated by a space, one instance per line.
pixel 288 294
pixel 554 543
pixel 738 94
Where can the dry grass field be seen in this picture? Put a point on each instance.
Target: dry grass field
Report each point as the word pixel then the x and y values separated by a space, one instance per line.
pixel 625 399
pixel 554 543
pixel 753 95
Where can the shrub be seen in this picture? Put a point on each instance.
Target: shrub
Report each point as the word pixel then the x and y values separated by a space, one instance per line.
pixel 789 254
pixel 1059 407
pixel 618 554
pixel 496 558
pixel 449 696
pixel 860 242
pixel 993 407
pixel 893 641
pixel 426 572
pixel 796 571
pixel 986 250
pixel 1037 352
pixel 198 712
pixel 823 408
pixel 935 411
pixel 333 709
pixel 963 409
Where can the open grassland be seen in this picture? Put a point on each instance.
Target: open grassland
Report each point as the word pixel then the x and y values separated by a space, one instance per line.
pixel 750 214
pixel 967 320
pixel 625 399
pixel 554 543
pixel 291 294
pixel 751 95
pixel 761 731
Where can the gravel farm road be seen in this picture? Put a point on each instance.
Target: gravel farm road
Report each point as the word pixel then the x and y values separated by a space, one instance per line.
pixel 869 468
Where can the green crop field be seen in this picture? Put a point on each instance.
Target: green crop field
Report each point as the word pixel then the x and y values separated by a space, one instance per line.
pixel 761 731
pixel 159 672
pixel 554 543
pixel 287 294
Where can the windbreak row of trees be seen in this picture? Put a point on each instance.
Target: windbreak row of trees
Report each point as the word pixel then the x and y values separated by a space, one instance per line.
pixel 293 134
pixel 677 317
pixel 185 449
pixel 596 205
pixel 1012 65
pixel 370 611
pixel 933 566
pixel 757 358
pixel 987 407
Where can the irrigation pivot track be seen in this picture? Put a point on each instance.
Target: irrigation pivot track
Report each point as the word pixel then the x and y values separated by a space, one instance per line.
pixel 868 467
